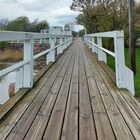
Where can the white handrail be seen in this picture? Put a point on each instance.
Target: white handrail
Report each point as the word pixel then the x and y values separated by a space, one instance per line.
pixel 49 50
pixel 10 35
pixel 111 34
pixel 103 49
pixel 124 76
pixel 24 69
pixel 13 67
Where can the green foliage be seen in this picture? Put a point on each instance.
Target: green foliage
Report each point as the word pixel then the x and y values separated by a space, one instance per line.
pixel 81 33
pixel 105 17
pixel 74 34
pixel 19 24
pixel 67 27
pixel 23 24
pixel 36 26
pixel 3 45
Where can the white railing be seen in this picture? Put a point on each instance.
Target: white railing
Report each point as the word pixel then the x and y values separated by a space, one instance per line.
pixel 124 76
pixel 24 69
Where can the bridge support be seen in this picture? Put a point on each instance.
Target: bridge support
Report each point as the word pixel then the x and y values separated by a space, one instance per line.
pixel 124 76
pixel 24 75
pixel 65 45
pixel 60 49
pixel 93 47
pixel 51 55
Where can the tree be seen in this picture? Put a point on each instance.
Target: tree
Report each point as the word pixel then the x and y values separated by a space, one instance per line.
pixel 81 33
pixel 67 27
pixel 132 35
pixel 137 20
pixel 19 24
pixel 80 5
pixel 23 24
pixel 36 26
pixel 74 34
pixel 104 15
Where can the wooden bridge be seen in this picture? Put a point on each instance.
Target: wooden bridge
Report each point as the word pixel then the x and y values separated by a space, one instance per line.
pixel 75 98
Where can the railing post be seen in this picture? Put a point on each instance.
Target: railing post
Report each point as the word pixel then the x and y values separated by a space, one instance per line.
pixel 101 54
pixel 65 46
pixel 124 76
pixel 119 61
pixel 84 38
pixel 60 48
pixel 93 48
pixel 28 68
pixel 90 39
pixel 69 41
pixel 24 75
pixel 51 55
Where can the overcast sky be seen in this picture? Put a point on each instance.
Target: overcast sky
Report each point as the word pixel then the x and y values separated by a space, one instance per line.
pixel 56 12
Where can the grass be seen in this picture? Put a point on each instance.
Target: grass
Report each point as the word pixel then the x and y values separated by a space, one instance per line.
pixel 11 55
pixel 137 76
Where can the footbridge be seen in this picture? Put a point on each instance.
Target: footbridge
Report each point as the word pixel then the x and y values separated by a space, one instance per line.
pixel 76 96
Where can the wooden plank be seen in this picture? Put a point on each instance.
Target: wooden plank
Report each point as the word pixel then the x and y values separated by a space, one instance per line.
pixel 9 105
pixel 130 117
pixel 14 116
pixel 28 117
pixel 119 126
pixel 38 126
pixel 11 120
pixel 53 129
pixel 86 123
pixel 103 126
pixel 133 103
pixel 70 125
pixel 19 130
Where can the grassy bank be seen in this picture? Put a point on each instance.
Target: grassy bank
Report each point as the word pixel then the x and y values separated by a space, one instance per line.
pixel 11 55
pixel 137 76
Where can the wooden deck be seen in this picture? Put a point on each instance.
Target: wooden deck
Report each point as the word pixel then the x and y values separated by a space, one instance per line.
pixel 76 99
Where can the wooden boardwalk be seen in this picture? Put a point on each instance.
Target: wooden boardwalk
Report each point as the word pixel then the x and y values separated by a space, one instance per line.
pixel 76 99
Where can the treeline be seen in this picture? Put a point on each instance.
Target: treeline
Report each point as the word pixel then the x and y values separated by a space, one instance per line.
pixel 106 15
pixel 23 23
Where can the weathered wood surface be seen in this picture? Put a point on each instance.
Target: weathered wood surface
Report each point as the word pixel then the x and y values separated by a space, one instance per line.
pixel 76 99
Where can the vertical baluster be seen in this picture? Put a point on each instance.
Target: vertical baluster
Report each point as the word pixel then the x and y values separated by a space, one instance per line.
pixel 60 48
pixel 101 54
pixel 28 68
pixel 93 47
pixel 51 55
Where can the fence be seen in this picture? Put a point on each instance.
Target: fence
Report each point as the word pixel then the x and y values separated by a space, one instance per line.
pixel 124 76
pixel 24 69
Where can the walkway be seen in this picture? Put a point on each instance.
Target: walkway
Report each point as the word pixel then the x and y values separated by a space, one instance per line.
pixel 76 99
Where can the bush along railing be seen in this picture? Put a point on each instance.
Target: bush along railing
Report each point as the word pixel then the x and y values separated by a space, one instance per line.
pixel 24 69
pixel 124 76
